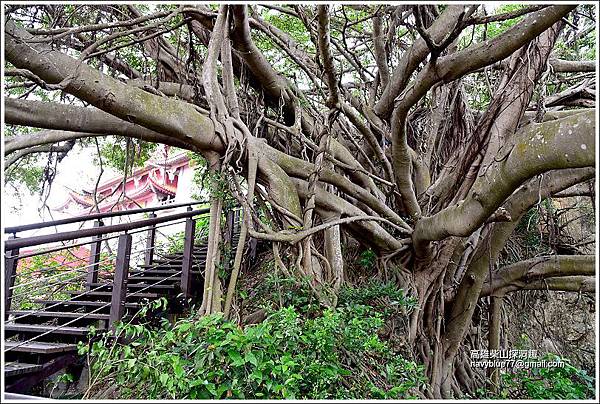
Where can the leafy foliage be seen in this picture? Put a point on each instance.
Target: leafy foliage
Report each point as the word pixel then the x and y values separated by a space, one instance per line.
pixel 367 259
pixel 494 29
pixel 289 292
pixel 50 276
pixel 335 355
pixel 176 241
pixel 29 174
pixel 375 291
pixel 562 382
pixel 114 153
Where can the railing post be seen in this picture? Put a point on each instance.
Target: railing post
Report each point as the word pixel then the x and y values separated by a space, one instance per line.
pixel 149 255
pixel 11 260
pixel 94 262
pixel 119 290
pixel 188 257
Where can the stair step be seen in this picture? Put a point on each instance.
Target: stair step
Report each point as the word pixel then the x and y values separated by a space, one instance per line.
pixel 99 293
pixel 138 285
pixel 38 347
pixel 161 272
pixel 82 303
pixel 175 262
pixel 18 368
pixel 196 250
pixel 56 314
pixel 167 266
pixel 163 285
pixel 41 329
pixel 180 254
pixel 153 278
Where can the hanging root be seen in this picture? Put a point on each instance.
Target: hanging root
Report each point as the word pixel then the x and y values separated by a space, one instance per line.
pixel 246 222
pixel 212 286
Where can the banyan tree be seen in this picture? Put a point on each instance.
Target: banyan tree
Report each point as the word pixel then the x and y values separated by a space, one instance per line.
pixel 422 132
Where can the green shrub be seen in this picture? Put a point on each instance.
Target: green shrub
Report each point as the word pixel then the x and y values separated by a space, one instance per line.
pixel 48 276
pixel 375 292
pixel 367 259
pixel 565 382
pixel 290 291
pixel 334 355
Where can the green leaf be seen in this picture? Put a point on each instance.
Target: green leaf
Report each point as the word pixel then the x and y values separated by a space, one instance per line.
pixel 235 357
pixel 221 389
pixel 179 371
pixel 257 375
pixel 164 378
pixel 251 358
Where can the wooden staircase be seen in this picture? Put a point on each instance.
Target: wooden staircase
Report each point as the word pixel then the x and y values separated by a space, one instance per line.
pixel 39 342
pixel 27 361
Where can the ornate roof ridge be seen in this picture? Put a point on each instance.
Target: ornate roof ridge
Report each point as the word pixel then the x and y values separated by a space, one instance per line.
pixel 151 163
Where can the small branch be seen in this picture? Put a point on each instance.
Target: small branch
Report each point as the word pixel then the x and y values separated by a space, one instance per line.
pixel 327 57
pixel 504 16
pixel 19 154
pixel 297 237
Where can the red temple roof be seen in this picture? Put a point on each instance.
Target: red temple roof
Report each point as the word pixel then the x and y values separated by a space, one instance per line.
pixel 140 187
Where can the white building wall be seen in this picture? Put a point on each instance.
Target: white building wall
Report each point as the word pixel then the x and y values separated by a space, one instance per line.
pixel 184 185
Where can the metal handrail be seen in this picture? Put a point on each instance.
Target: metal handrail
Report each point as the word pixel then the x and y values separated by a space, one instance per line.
pixel 66 247
pixel 15 243
pixel 41 225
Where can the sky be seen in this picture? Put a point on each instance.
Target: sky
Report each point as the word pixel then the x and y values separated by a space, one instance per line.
pixel 76 171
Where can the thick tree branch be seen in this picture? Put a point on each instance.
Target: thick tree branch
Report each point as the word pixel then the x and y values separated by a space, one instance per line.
pixel 450 68
pixel 19 154
pixel 381 58
pixel 586 189
pixel 486 254
pixel 435 49
pixel 164 115
pixel 170 89
pixel 72 122
pixel 378 238
pixel 455 65
pixel 488 52
pixel 537 148
pixel 520 274
pixel 581 95
pixel 572 66
pixel 289 46
pixel 563 284
pixel 274 84
pixel 486 19
pixel 299 168
pixel 501 119
pixel 560 65
pixel 413 57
